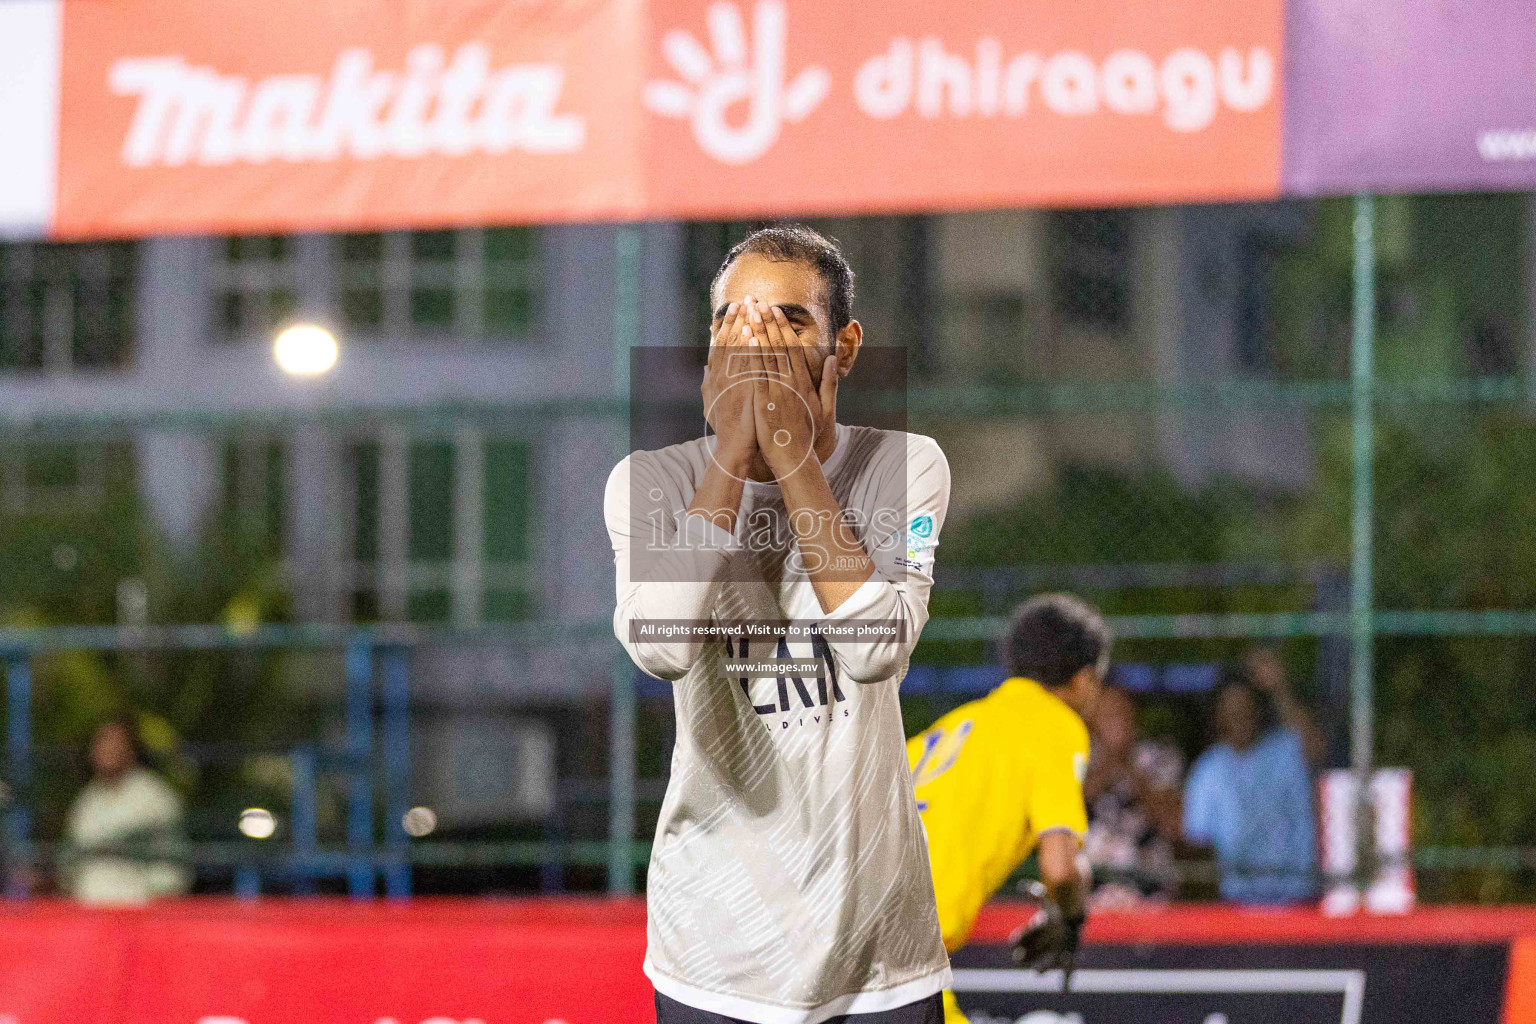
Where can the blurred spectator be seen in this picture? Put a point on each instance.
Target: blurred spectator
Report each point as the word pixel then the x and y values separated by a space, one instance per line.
pixel 1249 796
pixel 124 834
pixel 1132 790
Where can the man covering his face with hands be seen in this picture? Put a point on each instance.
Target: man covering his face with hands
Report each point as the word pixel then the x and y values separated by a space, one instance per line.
pixel 777 571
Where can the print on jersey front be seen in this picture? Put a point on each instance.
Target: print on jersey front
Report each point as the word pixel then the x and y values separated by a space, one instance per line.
pixel 796 700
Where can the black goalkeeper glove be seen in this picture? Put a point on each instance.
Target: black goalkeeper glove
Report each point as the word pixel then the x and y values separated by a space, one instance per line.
pixel 1049 940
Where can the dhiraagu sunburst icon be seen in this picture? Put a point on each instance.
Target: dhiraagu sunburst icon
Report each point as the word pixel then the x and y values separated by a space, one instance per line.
pixel 736 70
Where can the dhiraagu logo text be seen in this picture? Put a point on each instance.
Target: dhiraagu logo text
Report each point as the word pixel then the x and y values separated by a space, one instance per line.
pixel 736 72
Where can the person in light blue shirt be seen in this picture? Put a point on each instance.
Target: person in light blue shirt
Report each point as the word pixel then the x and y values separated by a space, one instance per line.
pixel 1249 798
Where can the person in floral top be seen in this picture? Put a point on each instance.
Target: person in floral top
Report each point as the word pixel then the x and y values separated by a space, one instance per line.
pixel 1132 789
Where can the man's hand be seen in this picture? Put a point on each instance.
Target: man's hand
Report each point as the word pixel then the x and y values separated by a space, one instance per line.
pixel 1267 672
pixel 728 409
pixel 1049 940
pixel 791 412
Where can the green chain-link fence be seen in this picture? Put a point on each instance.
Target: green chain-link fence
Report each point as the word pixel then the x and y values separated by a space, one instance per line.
pixel 1175 412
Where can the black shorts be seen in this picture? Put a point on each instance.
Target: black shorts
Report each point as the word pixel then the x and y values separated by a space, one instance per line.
pixel 924 1011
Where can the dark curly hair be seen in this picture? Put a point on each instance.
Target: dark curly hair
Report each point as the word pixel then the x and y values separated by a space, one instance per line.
pixel 800 243
pixel 1053 637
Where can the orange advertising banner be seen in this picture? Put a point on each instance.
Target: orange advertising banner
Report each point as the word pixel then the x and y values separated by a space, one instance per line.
pixel 915 105
pixel 230 116
pixel 224 116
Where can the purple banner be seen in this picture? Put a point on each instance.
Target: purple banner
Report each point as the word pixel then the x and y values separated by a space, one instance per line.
pixel 1409 96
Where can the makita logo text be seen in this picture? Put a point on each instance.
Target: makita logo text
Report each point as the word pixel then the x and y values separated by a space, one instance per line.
pixel 195 115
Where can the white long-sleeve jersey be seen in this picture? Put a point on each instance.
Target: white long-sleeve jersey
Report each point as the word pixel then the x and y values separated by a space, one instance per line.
pixel 789 879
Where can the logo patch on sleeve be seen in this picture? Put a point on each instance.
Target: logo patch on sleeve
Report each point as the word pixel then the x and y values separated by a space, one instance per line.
pixel 920 534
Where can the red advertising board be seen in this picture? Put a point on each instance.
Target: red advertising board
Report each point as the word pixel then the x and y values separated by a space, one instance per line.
pixel 324 962
pixel 578 962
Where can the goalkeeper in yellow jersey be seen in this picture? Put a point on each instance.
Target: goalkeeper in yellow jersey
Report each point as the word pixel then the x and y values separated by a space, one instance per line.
pixel 1003 776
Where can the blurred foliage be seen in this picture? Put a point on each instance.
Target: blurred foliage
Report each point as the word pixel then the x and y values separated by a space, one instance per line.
pixel 1453 509
pixel 1096 516
pixel 1453 512
pixel 1453 524
pixel 1449 288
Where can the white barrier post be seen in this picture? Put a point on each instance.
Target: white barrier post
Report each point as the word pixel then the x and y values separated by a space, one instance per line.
pixel 1338 807
pixel 1391 888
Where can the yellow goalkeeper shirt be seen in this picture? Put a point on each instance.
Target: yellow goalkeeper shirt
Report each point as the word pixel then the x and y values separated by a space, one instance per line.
pixel 991 777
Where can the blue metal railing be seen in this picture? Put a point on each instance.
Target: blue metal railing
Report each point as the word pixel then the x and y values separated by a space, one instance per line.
pixel 360 762
pixel 18 712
